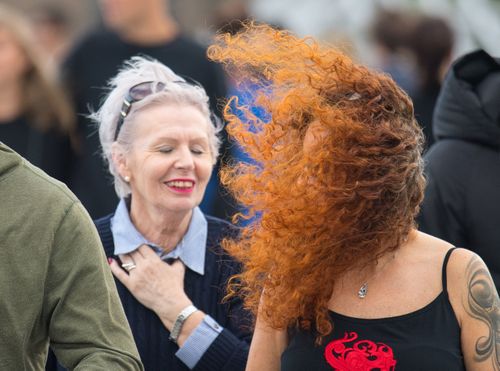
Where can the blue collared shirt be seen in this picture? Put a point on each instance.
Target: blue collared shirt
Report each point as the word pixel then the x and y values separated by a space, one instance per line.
pixel 191 251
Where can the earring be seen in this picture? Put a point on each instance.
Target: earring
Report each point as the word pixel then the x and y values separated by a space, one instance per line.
pixel 126 178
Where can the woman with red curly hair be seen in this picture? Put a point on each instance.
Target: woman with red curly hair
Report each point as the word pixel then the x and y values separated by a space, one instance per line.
pixel 334 267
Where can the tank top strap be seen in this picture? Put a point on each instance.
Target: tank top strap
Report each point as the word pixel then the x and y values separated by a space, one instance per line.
pixel 445 264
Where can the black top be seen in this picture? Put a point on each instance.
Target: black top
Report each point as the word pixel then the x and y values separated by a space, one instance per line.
pixel 50 150
pixel 462 197
pixel 427 339
pixel 229 351
pixel 90 65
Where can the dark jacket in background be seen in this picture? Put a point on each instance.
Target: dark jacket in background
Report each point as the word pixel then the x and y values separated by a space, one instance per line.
pixel 424 102
pixel 95 60
pixel 462 199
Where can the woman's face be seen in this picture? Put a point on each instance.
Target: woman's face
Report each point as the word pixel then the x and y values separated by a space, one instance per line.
pixel 13 61
pixel 170 162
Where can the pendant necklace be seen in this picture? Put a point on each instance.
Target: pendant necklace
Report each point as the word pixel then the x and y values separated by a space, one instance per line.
pixel 363 290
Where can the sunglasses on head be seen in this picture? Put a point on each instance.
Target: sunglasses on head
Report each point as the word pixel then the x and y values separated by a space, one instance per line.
pixel 136 93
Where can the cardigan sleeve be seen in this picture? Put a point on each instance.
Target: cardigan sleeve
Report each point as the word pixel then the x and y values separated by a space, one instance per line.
pixel 87 325
pixel 229 350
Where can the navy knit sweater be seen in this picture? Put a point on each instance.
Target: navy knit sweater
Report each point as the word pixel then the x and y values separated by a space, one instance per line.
pixel 229 351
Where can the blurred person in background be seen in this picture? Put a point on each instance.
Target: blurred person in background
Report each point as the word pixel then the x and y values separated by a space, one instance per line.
pixel 161 145
pixel 335 269
pixel 391 31
pixel 36 119
pixel 462 198
pixel 230 15
pixel 52 30
pixel 431 42
pixel 132 28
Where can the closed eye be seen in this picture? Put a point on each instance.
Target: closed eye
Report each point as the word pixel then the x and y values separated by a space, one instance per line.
pixel 165 149
pixel 198 151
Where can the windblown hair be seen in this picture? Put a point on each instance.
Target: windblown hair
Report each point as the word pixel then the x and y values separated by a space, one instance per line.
pixel 135 71
pixel 44 104
pixel 318 213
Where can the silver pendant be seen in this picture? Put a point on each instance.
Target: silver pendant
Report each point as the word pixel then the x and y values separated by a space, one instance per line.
pixel 363 290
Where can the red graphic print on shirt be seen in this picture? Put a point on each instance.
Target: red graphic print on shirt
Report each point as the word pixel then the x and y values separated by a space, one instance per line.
pixel 362 355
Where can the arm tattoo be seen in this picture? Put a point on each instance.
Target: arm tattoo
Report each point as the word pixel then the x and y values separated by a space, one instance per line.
pixel 483 305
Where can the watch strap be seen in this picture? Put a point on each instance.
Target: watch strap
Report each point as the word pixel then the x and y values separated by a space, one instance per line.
pixel 181 318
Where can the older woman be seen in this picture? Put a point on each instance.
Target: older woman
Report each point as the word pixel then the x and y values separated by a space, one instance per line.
pixel 334 267
pixel 160 142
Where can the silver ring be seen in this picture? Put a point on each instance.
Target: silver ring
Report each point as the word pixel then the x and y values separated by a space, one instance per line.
pixel 128 266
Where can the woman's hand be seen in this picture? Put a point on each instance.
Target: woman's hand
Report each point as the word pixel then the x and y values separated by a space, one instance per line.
pixel 157 285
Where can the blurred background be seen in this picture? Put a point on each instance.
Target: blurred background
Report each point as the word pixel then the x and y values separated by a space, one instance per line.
pixel 413 40
pixel 476 23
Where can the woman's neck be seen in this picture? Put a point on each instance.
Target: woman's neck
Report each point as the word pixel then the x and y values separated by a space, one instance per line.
pixel 382 265
pixel 11 98
pixel 165 229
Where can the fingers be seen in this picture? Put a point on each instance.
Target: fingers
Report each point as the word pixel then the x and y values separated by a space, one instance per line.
pixel 146 251
pixel 127 262
pixel 126 259
pixel 136 256
pixel 143 252
pixel 118 272
pixel 143 257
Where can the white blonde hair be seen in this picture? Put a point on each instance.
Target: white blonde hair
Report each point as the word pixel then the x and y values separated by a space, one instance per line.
pixel 135 71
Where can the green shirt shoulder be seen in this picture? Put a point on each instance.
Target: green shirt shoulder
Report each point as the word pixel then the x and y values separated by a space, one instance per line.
pixel 54 278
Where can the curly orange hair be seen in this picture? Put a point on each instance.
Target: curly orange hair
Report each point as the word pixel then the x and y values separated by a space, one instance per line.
pixel 344 202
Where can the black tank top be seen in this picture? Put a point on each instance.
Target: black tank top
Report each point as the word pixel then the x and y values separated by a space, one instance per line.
pixel 426 339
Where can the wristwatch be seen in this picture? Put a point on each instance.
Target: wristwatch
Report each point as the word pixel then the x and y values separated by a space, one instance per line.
pixel 181 318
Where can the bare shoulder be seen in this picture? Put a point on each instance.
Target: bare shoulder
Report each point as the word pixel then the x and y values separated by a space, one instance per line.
pixel 466 269
pixel 430 249
pixel 460 271
pixel 458 262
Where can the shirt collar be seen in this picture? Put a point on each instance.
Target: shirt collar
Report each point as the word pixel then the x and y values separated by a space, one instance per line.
pixel 191 249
